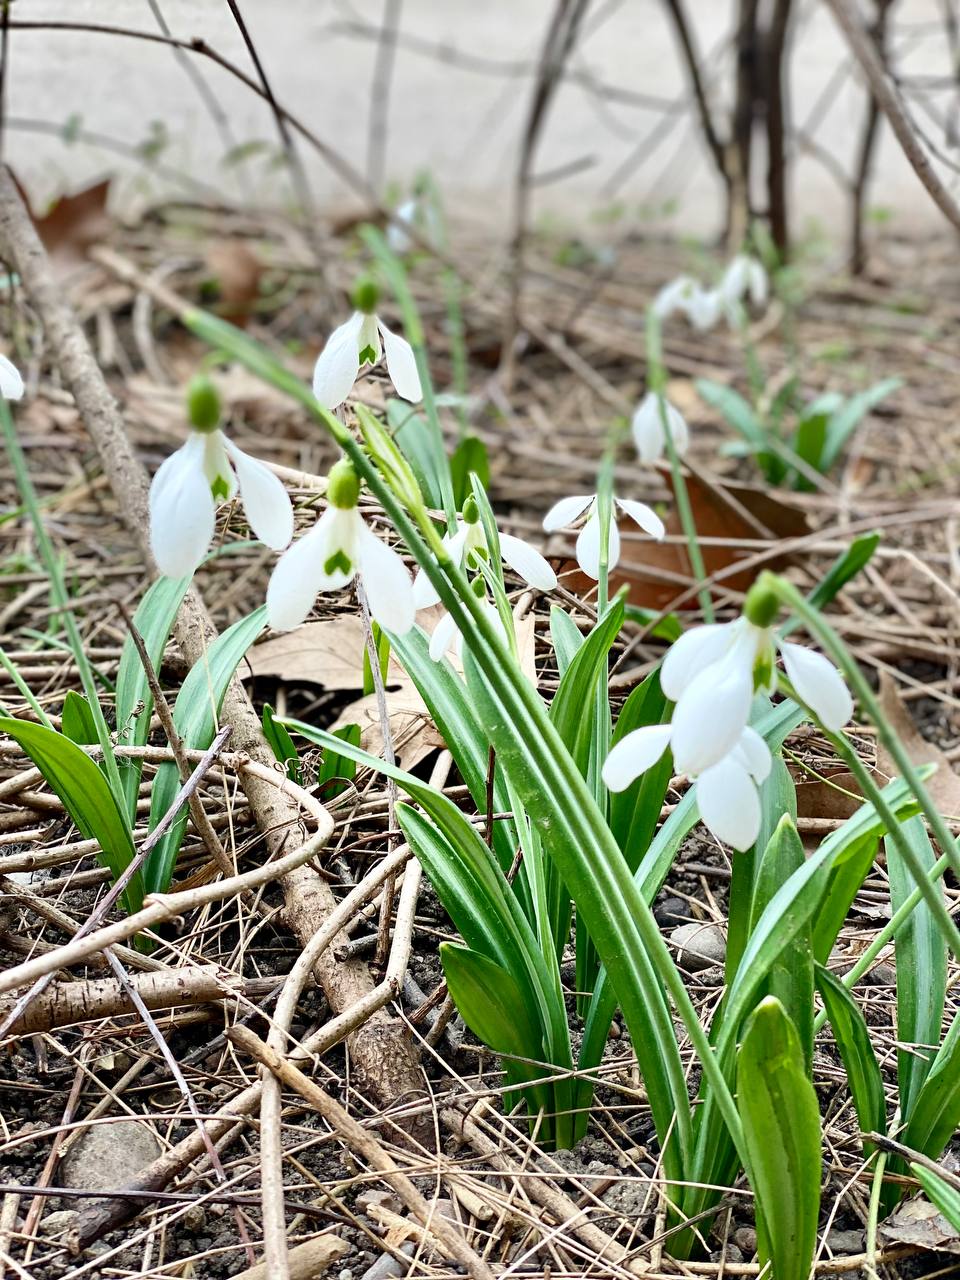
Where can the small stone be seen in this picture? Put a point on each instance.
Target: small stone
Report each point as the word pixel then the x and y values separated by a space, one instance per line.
pixel 194 1218
pixel 54 1224
pixel 745 1238
pixel 699 945
pixel 881 975
pixel 670 911
pixel 730 1254
pixel 108 1157
pixel 845 1242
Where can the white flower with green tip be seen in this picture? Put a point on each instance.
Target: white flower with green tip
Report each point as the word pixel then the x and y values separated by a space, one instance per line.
pixel 206 471
pixel 569 511
pixel 469 542
pixel 339 547
pixel 356 343
pixel 646 427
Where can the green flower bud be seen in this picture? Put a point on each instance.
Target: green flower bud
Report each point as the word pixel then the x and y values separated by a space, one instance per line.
pixel 761 606
pixel 471 512
pixel 203 404
pixel 343 485
pixel 365 295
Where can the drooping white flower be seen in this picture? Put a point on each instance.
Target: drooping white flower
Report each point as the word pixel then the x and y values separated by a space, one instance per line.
pixel 448 638
pixel 727 794
pixel 745 276
pixel 569 510
pixel 11 383
pixel 337 548
pixel 207 470
pixel 405 215
pixel 712 673
pixel 647 428
pixel 470 541
pixel 676 296
pixel 357 342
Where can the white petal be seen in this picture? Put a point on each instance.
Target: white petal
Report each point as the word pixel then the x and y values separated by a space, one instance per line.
pixel 265 500
pixel 694 650
pixel 711 715
pixel 679 431
pixel 706 307
pixel 648 430
pixel 299 575
pixel 734 282
pixel 386 580
pixel 424 592
pixel 758 283
pixel 819 684
pixel 634 754
pixel 217 468
pixel 729 804
pixel 11 383
pixel 338 363
pixel 369 336
pixel 644 516
pixel 754 754
pixel 566 512
pixel 445 633
pixel 182 511
pixel 401 365
pixel 397 235
pixel 588 546
pixel 674 296
pixel 527 562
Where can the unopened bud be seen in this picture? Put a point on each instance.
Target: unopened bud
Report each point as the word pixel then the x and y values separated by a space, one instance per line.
pixel 365 296
pixel 343 485
pixel 761 605
pixel 203 403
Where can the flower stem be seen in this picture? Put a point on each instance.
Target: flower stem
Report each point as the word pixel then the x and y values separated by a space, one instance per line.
pixel 656 380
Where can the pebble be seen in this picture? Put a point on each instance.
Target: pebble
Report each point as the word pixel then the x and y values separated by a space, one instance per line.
pixel 108 1156
pixel 670 911
pixel 699 945
pixel 745 1238
pixel 54 1224
pixel 845 1242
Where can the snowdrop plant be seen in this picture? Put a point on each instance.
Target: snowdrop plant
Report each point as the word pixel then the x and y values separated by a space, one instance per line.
pixel 570 511
pixel 610 852
pixel 206 471
pixel 364 340
pixel 650 436
pixel 338 548
pixel 744 278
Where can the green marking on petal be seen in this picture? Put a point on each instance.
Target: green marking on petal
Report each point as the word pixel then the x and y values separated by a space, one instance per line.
pixel 220 489
pixel 368 355
pixel 338 561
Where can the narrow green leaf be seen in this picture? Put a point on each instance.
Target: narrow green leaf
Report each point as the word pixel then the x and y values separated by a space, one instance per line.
pixel 936 1111
pixel 635 812
pixel 469 456
pixel 847 418
pixel 195 716
pixel 943 1195
pixel 77 720
pixel 281 744
pixel 856 1049
pixel 422 449
pixel 667 628
pixel 336 771
pixel 781 1129
pixel 921 953
pixel 86 795
pixel 154 620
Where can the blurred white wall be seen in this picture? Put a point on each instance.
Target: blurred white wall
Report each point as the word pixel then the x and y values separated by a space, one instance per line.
pixel 458 99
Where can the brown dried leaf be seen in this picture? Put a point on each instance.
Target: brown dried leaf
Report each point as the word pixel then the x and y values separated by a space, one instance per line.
pixel 238 272
pixel 835 795
pixel 944 786
pixel 919 1223
pixel 74 223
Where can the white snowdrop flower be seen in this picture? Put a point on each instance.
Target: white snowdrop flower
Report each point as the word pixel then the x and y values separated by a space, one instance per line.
pixel 11 383
pixel 727 794
pixel 745 276
pixel 207 470
pixel 675 296
pixel 706 308
pixel 448 638
pixel 405 215
pixel 470 541
pixel 339 547
pixel 713 671
pixel 569 510
pixel 647 428
pixel 358 342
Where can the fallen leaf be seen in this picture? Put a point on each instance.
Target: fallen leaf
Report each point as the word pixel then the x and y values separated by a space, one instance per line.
pixel 325 653
pixel 238 272
pixel 944 786
pixel 919 1223
pixel 74 223
pixel 835 795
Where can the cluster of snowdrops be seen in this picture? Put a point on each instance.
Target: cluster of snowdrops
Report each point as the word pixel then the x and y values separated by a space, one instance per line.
pixel 712 671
